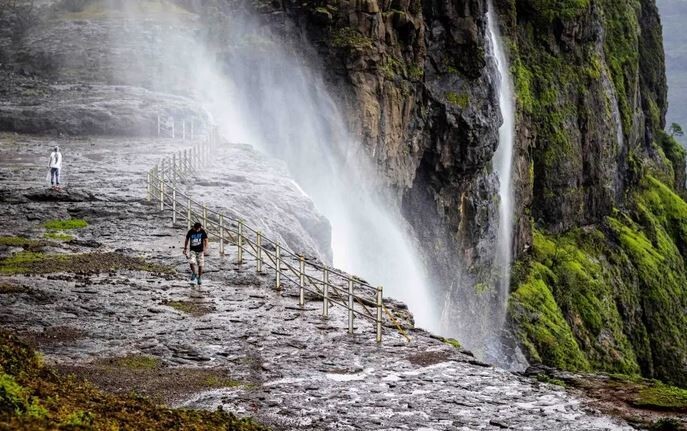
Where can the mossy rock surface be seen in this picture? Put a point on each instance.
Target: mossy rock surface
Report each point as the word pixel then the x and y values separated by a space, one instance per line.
pixel 611 297
pixel 29 262
pixel 36 397
pixel 58 236
pixel 65 224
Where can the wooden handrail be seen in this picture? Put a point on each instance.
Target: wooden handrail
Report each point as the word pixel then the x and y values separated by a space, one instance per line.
pixel 266 252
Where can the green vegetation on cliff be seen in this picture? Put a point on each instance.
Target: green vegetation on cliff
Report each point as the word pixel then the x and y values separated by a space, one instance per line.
pixel 548 10
pixel 33 396
pixel 612 297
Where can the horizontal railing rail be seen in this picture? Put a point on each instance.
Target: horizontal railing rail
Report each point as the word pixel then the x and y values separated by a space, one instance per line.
pixel 307 274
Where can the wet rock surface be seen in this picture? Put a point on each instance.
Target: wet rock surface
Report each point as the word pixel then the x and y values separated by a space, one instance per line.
pixel 296 370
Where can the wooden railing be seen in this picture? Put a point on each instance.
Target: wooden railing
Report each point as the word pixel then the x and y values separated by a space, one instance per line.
pixel 334 287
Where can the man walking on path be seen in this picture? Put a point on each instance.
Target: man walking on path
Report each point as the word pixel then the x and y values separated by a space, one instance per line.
pixel 198 240
pixel 55 165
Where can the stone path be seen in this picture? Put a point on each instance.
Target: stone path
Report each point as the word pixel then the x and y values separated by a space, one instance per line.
pixel 297 370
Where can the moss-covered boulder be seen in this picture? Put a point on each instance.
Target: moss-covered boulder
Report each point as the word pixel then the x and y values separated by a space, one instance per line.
pixel 611 297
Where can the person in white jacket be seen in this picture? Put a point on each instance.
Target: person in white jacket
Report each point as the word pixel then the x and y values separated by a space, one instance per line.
pixel 55 167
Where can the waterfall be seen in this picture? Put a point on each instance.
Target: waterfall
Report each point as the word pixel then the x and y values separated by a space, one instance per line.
pixel 263 93
pixel 503 166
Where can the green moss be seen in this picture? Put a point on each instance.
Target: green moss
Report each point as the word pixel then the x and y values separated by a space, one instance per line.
pixel 450 342
pixel 137 362
pixel 66 224
pixel 18 263
pixel 622 30
pixel 35 397
pixel 392 67
pixel 675 155
pixel 541 327
pixel 16 241
pixel 347 37
pixel 655 242
pixel 663 397
pixel 567 279
pixel 552 381
pixel 28 262
pixel 453 343
pixel 522 79
pixel 58 236
pixel 35 410
pixel 214 382
pixel 462 100
pixel 611 298
pixel 12 395
pixel 549 10
pixel 482 288
pixel 415 71
pixel 79 418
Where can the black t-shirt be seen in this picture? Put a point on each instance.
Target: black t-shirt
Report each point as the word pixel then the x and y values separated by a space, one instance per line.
pixel 195 239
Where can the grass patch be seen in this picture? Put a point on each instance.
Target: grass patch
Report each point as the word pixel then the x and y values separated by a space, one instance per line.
pixel 543 378
pixel 216 382
pixel 136 362
pixel 34 396
pixel 65 224
pixel 349 38
pixel 58 236
pixel 17 241
pixel 663 397
pixel 448 341
pixel 453 343
pixel 29 262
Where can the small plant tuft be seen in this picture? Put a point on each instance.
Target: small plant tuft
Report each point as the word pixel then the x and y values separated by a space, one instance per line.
pixel 58 236
pixel 461 100
pixel 65 224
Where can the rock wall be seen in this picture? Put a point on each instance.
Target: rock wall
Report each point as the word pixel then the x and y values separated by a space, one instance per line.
pixel 418 85
pixel 417 81
pixel 605 181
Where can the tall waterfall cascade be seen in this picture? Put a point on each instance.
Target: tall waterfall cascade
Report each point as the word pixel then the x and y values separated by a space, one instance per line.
pixel 503 167
pixel 271 99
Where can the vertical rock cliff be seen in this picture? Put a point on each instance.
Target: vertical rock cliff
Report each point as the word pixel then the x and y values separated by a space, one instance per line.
pixel 600 277
pixel 419 85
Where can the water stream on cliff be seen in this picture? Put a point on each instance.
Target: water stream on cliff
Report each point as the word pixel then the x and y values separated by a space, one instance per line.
pixel 503 165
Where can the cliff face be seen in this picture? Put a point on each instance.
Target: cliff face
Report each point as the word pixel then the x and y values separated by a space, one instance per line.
pixel 605 184
pixel 599 282
pixel 418 84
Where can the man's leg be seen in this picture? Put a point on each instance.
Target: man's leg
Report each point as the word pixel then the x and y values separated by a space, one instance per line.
pixel 57 176
pixel 192 263
pixel 201 264
pixel 52 176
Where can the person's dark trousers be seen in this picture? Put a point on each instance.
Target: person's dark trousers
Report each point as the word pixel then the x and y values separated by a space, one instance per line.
pixel 54 176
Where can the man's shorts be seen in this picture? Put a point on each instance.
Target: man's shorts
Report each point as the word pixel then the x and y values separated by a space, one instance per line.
pixel 196 258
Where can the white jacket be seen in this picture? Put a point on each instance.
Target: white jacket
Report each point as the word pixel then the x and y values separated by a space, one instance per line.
pixel 56 160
